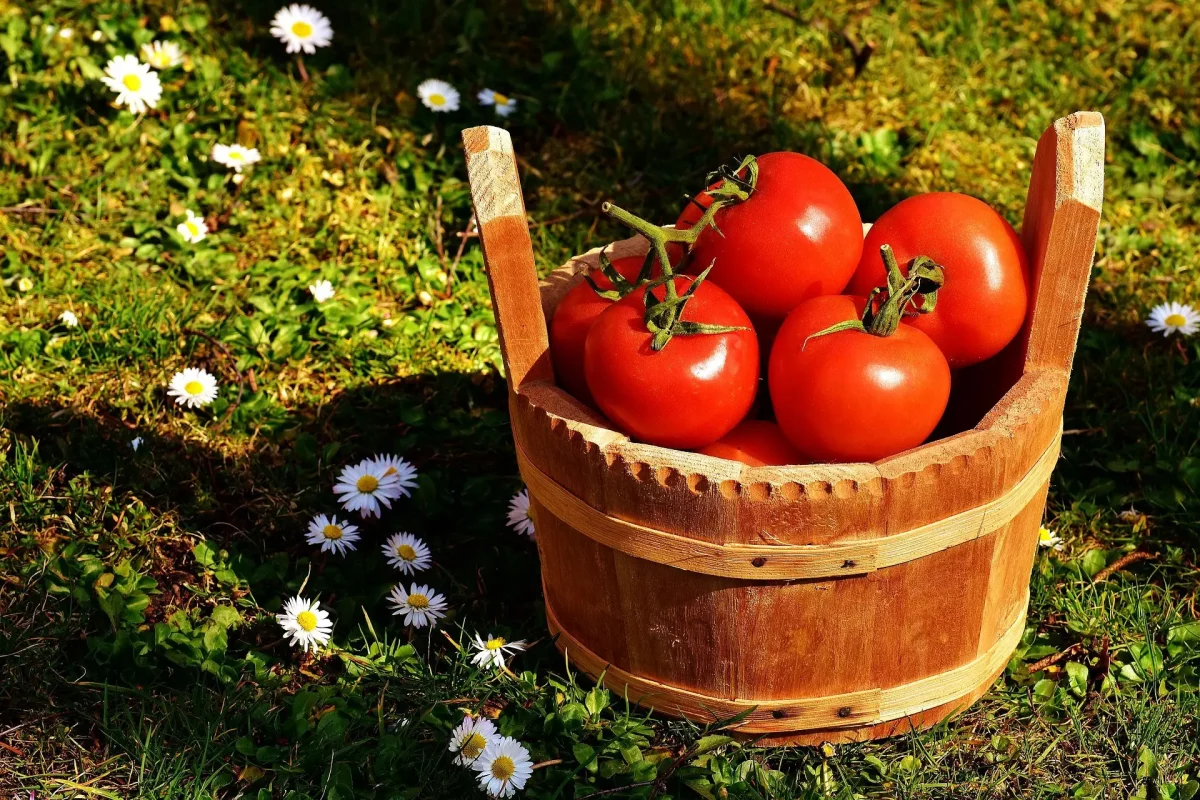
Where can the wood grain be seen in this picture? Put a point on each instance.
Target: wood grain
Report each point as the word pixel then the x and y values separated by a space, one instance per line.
pixel 647 554
pixel 508 254
pixel 781 561
pixel 852 709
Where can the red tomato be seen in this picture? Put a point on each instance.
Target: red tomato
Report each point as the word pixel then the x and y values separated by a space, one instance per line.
pixel 853 396
pixel 799 235
pixel 690 393
pixel 983 304
pixel 573 319
pixel 755 442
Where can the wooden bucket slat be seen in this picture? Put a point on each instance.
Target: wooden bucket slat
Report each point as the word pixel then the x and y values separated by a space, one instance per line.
pixel 941 538
pixel 780 561
pixel 852 709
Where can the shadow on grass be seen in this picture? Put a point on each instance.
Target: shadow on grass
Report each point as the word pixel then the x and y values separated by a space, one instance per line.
pixel 603 112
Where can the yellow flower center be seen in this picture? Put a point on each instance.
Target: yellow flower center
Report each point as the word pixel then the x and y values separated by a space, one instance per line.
pixel 390 471
pixel 418 601
pixel 497 643
pixel 302 29
pixel 406 552
pixel 307 621
pixel 501 99
pixel 1045 534
pixel 474 745
pixel 132 82
pixel 193 228
pixel 332 532
pixel 236 155
pixel 503 768
pixel 367 484
pixel 1176 320
pixel 437 100
pixel 193 387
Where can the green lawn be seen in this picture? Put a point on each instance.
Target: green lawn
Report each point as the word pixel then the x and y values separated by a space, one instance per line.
pixel 139 655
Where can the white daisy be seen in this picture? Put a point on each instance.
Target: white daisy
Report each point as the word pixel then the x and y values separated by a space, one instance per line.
pixel 420 606
pixel 162 55
pixel 24 284
pixel 135 83
pixel 404 472
pixel 332 534
pixel 192 229
pixel 364 486
pixel 471 738
pixel 321 291
pixel 504 767
pixel 301 27
pixel 305 623
pixel 504 104
pixel 490 652
pixel 407 553
pixel 1168 318
pixel 1048 538
pixel 193 388
pixel 66 33
pixel 69 319
pixel 135 443
pixel 235 156
pixel 519 518
pixel 97 36
pixel 438 95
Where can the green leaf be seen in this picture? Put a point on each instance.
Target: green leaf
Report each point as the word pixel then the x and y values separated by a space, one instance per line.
pixel 585 755
pixel 204 554
pixel 1077 677
pixel 215 639
pixel 1043 691
pixel 1147 763
pixel 226 616
pixel 1187 633
pixel 596 701
pixel 1094 561
pixel 245 745
pixel 712 741
pixel 267 754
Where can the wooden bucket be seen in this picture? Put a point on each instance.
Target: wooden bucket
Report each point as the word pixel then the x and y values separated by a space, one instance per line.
pixel 832 601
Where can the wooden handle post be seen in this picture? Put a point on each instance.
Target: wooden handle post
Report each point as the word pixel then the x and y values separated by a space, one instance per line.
pixel 1062 214
pixel 507 254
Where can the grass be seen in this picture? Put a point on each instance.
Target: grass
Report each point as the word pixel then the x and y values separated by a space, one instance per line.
pixel 138 656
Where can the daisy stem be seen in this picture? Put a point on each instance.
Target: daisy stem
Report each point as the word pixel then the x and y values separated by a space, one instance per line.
pixel 450 639
pixel 303 71
pixel 306 577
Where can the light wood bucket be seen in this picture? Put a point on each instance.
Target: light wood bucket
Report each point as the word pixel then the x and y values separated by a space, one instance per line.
pixel 829 602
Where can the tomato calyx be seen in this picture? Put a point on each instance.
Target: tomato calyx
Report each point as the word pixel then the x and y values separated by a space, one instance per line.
pixel 621 286
pixel 881 318
pixel 664 317
pixel 733 186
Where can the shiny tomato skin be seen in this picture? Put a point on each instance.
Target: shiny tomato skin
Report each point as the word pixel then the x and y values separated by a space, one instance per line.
pixel 983 304
pixel 851 396
pixel 572 320
pixel 799 235
pixel 690 393
pixel 756 442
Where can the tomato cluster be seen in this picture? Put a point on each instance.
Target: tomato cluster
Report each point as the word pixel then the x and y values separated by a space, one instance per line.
pixel 768 270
